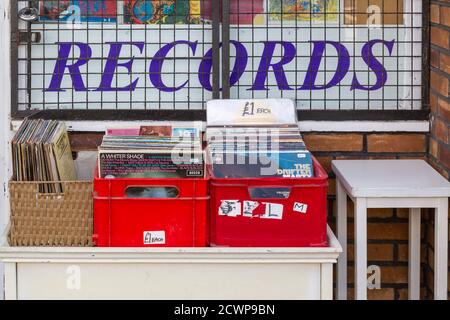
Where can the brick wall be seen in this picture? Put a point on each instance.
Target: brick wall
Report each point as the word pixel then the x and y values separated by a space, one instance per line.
pixel 439 152
pixel 387 228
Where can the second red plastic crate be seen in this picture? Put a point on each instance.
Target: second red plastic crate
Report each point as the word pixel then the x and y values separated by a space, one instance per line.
pixel 270 212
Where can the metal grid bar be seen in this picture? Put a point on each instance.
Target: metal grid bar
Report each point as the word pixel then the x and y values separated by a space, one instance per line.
pixel 216 13
pixel 225 49
pixel 266 29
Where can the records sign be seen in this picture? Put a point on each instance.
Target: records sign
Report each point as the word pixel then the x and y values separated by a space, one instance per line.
pixel 132 54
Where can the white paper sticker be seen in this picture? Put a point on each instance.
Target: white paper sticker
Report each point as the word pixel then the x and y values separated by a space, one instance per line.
pixel 300 207
pixel 249 207
pixel 154 237
pixel 251 112
pixel 230 208
pixel 273 211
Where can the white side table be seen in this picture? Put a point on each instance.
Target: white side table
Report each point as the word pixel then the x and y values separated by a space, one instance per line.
pixel 411 184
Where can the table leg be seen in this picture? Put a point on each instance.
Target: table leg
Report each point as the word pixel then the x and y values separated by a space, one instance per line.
pixel 441 250
pixel 361 249
pixel 414 254
pixel 341 283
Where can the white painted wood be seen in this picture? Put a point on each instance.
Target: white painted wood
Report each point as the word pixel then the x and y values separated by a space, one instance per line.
pixel 172 273
pixel 390 178
pixel 305 126
pixel 10 281
pixel 441 251
pixel 341 283
pixel 5 103
pixel 406 202
pixel 414 255
pixel 170 280
pixel 360 249
pixel 326 291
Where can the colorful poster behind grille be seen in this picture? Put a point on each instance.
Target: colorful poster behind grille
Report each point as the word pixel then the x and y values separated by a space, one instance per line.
pixel 366 12
pixel 78 10
pixel 162 11
pixel 241 12
pixel 304 10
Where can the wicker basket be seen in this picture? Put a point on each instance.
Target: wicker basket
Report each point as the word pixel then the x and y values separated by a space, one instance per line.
pixel 59 219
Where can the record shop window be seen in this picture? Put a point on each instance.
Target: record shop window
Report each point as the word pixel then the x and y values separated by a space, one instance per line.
pixel 158 54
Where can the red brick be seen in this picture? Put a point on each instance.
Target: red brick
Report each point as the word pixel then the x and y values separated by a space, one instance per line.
pixel 387 231
pixel 375 252
pixel 85 141
pixel 397 274
pixel 396 143
pixel 383 231
pixel 380 213
pixel 334 142
pixel 441 130
pixel 444 155
pixel 444 63
pixel 445 16
pixel 439 83
pixel 381 294
pixel 444 109
pixel 403 294
pixel 434 13
pixel 440 37
pixel 403 250
pixel 434 105
pixel 433 148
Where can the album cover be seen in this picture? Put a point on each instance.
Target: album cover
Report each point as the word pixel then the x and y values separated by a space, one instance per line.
pixel 304 10
pixel 162 11
pixel 241 12
pixel 364 12
pixel 78 10
pixel 144 164
pixel 261 164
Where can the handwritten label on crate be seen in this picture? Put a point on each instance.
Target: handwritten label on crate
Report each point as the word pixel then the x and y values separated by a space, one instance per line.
pixel 251 209
pixel 154 237
pixel 300 207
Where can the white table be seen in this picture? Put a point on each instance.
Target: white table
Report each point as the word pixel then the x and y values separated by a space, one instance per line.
pixel 411 184
pixel 171 273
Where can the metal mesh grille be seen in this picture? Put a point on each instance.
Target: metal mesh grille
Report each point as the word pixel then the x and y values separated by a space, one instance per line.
pixel 157 55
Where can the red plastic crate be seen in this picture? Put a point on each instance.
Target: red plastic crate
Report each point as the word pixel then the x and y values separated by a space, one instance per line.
pixel 121 221
pixel 304 212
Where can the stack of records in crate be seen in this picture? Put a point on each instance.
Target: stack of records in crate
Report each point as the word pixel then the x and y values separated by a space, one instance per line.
pixel 152 152
pixel 41 152
pixel 255 139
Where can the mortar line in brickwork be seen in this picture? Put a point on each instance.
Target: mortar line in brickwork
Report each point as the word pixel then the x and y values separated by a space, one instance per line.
pixel 440 49
pixel 440 72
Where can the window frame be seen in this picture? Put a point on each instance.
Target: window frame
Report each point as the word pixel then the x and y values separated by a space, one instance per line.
pixel 200 115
